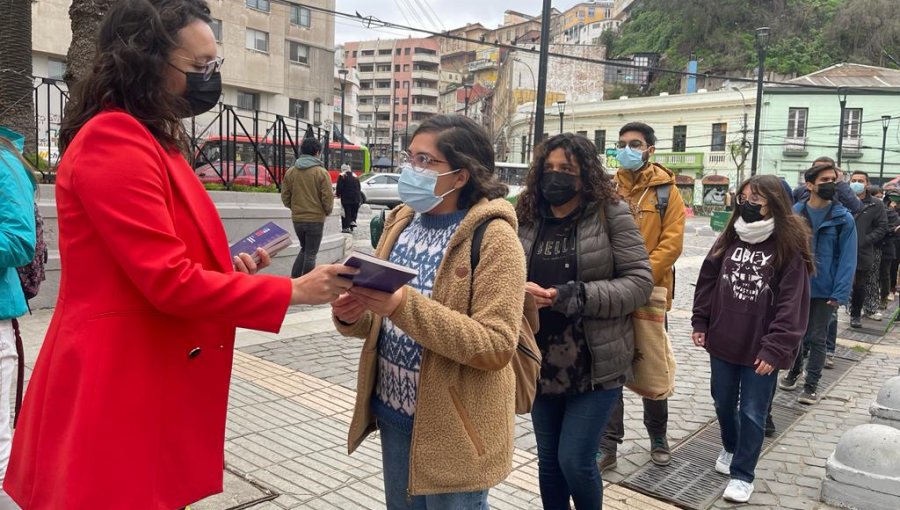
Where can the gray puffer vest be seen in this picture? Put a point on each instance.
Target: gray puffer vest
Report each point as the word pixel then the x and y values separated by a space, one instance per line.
pixel 614 279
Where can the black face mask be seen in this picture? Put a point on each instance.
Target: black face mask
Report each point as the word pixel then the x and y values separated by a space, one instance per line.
pixel 202 94
pixel 826 190
pixel 558 187
pixel 751 213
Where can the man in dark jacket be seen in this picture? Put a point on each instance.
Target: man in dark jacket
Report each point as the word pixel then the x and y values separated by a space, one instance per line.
pixel 306 191
pixel 834 249
pixel 842 190
pixel 888 251
pixel 871 227
pixel 349 191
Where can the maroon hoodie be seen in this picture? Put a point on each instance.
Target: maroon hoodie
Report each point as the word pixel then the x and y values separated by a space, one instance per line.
pixel 750 309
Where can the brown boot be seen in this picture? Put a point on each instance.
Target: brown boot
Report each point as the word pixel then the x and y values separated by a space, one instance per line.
pixel 606 460
pixel 659 451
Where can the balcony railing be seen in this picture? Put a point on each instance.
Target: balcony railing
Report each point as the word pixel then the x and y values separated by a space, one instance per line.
pixel 421 74
pixel 852 146
pixel 795 146
pixel 680 160
pixel 424 57
pixel 716 158
pixel 423 91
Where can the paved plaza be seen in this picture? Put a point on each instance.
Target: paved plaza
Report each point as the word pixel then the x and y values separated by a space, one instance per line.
pixel 292 398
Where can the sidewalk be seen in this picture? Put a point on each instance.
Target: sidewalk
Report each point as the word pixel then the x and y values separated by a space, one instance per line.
pixel 292 396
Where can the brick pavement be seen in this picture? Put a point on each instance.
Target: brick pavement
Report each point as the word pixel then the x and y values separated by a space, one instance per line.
pixel 292 395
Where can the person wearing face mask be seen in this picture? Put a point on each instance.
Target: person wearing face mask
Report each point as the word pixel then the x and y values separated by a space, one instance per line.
pixel 751 308
pixel 834 247
pixel 891 203
pixel 126 405
pixel 658 209
pixel 871 227
pixel 588 270
pixel 434 374
pixel 842 193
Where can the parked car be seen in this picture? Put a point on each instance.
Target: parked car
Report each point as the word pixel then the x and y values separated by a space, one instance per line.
pixel 380 189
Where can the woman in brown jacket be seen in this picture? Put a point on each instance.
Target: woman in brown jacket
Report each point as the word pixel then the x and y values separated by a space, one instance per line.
pixel 434 372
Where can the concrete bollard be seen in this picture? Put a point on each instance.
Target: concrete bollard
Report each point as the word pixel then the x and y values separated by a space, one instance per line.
pixel 886 408
pixel 864 470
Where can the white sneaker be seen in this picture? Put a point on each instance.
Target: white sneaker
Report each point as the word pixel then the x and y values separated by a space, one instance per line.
pixel 723 463
pixel 738 491
pixel 877 316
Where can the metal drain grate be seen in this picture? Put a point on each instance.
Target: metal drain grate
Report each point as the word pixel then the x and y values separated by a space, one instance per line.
pixel 691 481
pixel 847 353
pixel 865 335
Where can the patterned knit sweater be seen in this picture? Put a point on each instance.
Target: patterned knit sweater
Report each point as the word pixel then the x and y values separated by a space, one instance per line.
pixel 421 246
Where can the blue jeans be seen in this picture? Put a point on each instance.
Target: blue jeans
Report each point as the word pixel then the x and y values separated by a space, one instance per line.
pixel 743 426
pixel 814 344
pixel 568 430
pixel 395 445
pixel 831 339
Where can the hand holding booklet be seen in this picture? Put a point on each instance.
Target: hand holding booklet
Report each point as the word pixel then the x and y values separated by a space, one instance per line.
pixel 378 274
pixel 269 237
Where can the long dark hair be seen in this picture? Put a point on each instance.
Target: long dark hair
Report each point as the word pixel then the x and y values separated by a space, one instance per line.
pixel 596 185
pixel 467 145
pixel 133 47
pixel 792 235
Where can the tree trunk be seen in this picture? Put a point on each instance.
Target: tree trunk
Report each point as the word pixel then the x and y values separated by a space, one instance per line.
pixel 16 82
pixel 85 16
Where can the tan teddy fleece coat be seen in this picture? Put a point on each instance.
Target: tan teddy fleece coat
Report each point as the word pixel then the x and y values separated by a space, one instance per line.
pixel 463 430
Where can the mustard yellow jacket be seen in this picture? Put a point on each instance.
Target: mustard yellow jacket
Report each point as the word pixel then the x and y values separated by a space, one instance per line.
pixel 462 439
pixel 663 237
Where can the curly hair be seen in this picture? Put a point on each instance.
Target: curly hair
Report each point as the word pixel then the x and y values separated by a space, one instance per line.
pixel 134 42
pixel 466 145
pixel 596 184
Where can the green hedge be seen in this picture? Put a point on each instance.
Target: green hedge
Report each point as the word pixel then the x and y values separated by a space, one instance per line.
pixel 215 186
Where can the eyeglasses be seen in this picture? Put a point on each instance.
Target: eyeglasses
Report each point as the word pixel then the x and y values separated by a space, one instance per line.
pixel 209 68
pixel 417 161
pixel 754 200
pixel 634 144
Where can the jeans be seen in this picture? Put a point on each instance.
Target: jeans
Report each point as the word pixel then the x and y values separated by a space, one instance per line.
pixel 309 233
pixel 831 339
pixel 351 210
pixel 8 366
pixel 568 430
pixel 859 293
pixel 395 447
pixel 656 419
pixel 820 312
pixel 742 400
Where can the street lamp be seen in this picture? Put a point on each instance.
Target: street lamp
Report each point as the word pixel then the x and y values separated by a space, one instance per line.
pixel 342 73
pixel 531 115
pixel 842 99
pixel 762 45
pixel 408 116
pixel 885 122
pixel 561 107
pixel 376 121
pixel 396 102
pixel 466 88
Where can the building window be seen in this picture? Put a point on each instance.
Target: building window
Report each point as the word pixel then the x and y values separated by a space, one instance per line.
pixel 719 132
pixel 397 68
pixel 259 5
pixel 600 139
pixel 384 52
pixel 257 40
pixel 405 68
pixel 367 53
pixel 216 26
pixel 317 112
pixel 299 108
pixel 248 100
pixel 679 139
pixel 406 51
pixel 299 53
pixel 852 122
pixel 366 68
pixel 299 16
pixel 55 69
pixel 383 84
pixel 365 117
pixel 397 52
pixel 797 122
pixel 383 68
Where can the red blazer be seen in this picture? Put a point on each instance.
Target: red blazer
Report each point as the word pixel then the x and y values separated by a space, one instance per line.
pixel 126 406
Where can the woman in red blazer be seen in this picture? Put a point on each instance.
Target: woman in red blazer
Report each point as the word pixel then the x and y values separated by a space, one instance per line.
pixel 126 406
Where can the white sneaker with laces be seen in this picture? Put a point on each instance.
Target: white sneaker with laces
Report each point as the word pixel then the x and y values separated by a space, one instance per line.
pixel 738 491
pixel 723 463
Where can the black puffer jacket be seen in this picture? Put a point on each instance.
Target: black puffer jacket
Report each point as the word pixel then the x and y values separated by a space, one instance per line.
pixel 614 280
pixel 871 227
pixel 888 243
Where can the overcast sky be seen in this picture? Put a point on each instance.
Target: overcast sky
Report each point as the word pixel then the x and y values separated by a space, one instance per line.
pixel 443 15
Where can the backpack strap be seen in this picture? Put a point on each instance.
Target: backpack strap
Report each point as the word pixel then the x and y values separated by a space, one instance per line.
pixel 20 377
pixel 662 199
pixel 477 237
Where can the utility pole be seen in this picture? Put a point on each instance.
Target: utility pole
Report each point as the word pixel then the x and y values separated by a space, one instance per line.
pixel 885 123
pixel 842 98
pixel 342 72
pixel 408 116
pixel 542 72
pixel 762 43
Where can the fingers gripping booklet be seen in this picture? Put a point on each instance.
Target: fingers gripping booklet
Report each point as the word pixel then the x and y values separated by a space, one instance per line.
pixel 378 274
pixel 269 237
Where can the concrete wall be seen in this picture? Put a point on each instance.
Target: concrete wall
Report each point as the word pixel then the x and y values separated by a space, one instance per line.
pixel 240 213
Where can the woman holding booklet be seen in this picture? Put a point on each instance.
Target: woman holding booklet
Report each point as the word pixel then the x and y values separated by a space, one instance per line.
pixel 126 405
pixel 434 374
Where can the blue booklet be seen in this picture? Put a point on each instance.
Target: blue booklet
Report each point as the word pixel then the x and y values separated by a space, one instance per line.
pixel 378 274
pixel 269 237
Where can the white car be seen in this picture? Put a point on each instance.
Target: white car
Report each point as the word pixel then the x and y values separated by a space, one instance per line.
pixel 380 189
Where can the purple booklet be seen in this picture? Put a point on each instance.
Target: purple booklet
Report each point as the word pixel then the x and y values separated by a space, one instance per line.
pixel 378 274
pixel 269 237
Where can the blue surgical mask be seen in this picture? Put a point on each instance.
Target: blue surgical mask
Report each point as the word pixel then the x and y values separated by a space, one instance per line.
pixel 416 188
pixel 857 187
pixel 630 159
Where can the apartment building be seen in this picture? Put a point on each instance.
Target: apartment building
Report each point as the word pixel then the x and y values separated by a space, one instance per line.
pixel 279 58
pixel 398 88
